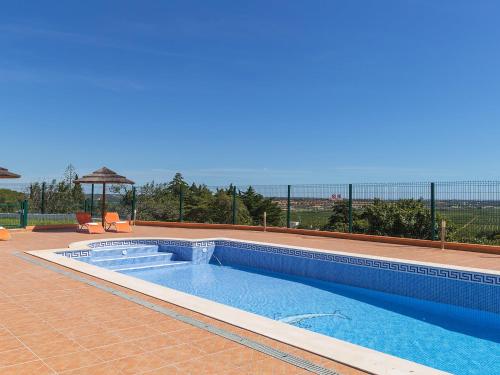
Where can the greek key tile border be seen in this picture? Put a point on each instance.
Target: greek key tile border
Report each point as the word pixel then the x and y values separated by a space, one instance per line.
pixel 451 274
pixel 75 253
pixel 158 242
pixel 469 276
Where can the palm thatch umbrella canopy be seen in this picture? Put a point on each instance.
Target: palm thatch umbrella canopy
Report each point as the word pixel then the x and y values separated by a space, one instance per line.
pixel 4 173
pixel 104 176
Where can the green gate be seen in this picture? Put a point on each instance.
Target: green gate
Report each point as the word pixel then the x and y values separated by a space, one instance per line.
pixel 14 214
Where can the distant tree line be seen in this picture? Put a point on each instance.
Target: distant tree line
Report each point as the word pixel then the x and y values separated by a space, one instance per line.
pixel 62 196
pixel 161 201
pixel 9 197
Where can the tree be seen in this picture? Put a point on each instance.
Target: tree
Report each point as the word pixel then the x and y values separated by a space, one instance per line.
pixel 257 205
pixel 177 184
pixel 198 201
pixel 70 175
pixel 159 201
pixel 60 196
pixel 9 200
pixel 403 218
pixel 221 209
pixel 156 202
pixel 339 220
pixel 10 196
pixel 77 191
pixel 34 194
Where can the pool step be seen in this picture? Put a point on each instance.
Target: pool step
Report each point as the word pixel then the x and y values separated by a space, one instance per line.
pixel 135 259
pixel 120 250
pixel 132 257
pixel 147 266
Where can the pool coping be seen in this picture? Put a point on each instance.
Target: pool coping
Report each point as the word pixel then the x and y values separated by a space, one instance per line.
pixel 352 355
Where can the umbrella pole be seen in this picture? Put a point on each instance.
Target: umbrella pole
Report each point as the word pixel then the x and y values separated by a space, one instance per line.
pixel 103 201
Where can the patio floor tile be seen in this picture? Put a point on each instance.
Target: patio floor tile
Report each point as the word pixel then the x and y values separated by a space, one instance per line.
pixel 9 342
pixel 139 363
pixel 16 356
pixel 179 353
pixel 36 338
pixel 167 370
pixel 157 342
pixel 214 344
pixel 99 369
pixel 98 339
pixel 118 350
pixel 46 349
pixel 134 333
pixel 28 368
pixel 72 361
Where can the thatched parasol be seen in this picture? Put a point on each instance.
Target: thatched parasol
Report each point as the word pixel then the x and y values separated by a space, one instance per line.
pixel 104 176
pixel 4 173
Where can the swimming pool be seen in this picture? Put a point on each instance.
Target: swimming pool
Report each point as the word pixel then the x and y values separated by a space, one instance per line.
pixel 445 318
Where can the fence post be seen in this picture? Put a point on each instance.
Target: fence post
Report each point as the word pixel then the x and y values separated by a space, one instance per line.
pixel 433 211
pixel 42 209
pixel 443 233
pixel 350 208
pixel 24 214
pixel 181 204
pixel 21 213
pixel 234 205
pixel 92 201
pixel 133 205
pixel 288 208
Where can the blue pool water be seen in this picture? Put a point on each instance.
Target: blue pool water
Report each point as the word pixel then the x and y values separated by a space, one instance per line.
pixel 450 338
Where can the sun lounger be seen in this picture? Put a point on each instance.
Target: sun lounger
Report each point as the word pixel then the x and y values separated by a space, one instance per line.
pixel 4 234
pixel 85 223
pixel 112 220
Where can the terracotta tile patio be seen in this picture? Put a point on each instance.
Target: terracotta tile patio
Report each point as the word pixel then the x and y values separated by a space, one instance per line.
pixel 51 324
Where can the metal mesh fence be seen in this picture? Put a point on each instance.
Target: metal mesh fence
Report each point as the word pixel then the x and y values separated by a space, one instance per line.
pixel 11 196
pixel 471 208
pixel 10 215
pixel 56 203
pixel 273 200
pixel 311 205
pixel 394 209
pixel 365 194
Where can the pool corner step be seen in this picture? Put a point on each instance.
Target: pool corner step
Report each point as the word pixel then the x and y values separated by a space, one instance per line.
pixel 124 250
pixel 148 266
pixel 134 259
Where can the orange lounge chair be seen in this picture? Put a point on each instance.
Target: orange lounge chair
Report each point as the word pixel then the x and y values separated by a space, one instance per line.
pixel 111 219
pixel 85 223
pixel 4 234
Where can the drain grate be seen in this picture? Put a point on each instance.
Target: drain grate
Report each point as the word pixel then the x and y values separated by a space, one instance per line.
pixel 281 355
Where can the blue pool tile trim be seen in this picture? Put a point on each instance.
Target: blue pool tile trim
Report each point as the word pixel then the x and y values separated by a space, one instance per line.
pixel 75 253
pixel 470 276
pixel 158 242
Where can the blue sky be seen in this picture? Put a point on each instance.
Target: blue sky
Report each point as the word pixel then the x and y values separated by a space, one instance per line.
pixel 258 92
